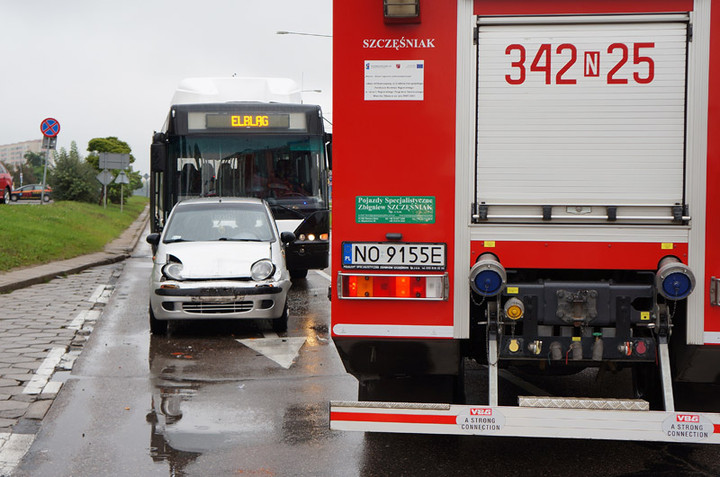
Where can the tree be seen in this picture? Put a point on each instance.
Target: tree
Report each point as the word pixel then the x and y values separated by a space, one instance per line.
pixel 73 178
pixel 31 169
pixel 112 144
pixel 27 174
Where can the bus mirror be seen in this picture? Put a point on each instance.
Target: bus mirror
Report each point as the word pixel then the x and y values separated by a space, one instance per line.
pixel 158 157
pixel 328 148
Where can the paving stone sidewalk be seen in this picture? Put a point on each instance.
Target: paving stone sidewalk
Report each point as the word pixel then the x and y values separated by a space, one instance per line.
pixel 47 313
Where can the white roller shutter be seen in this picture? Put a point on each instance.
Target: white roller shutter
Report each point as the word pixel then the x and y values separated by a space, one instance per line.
pixel 602 125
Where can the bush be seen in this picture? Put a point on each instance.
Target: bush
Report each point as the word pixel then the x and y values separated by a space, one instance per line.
pixel 74 179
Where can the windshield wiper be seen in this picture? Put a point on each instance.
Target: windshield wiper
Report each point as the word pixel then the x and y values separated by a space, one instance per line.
pixel 227 239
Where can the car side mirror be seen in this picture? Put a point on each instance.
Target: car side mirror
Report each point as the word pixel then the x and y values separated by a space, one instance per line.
pixel 153 239
pixel 287 237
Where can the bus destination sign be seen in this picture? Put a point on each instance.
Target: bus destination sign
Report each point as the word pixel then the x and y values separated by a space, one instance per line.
pixel 247 121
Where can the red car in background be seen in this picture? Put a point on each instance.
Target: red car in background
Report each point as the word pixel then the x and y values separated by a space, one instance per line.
pixel 6 184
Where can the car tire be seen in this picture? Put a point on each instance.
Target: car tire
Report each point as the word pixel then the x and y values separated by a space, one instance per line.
pixel 298 273
pixel 46 198
pixel 157 326
pixel 14 198
pixel 280 325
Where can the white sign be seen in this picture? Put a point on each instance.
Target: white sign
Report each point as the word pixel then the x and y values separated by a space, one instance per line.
pixel 402 80
pixel 114 160
pixel 105 177
pixel 122 178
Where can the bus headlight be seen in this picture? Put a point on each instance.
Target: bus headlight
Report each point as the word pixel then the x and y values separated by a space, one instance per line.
pixel 487 276
pixel 674 280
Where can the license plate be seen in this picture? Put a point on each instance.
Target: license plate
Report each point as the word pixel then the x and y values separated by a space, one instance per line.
pixel 394 256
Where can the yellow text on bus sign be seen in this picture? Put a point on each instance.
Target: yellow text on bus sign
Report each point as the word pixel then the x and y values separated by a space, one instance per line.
pixel 247 121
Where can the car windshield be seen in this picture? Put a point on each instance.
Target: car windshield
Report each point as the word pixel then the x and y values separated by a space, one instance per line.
pixel 219 221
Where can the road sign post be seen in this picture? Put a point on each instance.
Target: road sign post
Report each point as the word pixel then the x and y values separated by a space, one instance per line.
pixel 122 179
pixel 105 177
pixel 50 127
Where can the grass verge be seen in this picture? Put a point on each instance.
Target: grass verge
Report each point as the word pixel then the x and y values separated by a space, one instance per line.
pixel 32 234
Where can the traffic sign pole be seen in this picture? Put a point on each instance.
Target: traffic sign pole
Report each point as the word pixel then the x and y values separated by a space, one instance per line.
pixel 50 128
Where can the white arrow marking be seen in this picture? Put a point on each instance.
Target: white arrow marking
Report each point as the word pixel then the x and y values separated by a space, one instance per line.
pixel 281 350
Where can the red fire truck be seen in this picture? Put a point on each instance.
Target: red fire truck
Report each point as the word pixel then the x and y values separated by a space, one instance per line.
pixel 531 186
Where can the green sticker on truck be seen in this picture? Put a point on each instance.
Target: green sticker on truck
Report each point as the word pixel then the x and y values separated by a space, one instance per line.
pixel 394 210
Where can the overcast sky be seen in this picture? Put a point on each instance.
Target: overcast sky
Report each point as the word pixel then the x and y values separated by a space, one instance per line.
pixel 109 68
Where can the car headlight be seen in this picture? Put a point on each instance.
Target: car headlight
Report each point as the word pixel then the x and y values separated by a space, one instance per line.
pixel 173 270
pixel 262 269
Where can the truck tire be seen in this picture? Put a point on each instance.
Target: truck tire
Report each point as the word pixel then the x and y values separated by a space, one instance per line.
pixel 6 196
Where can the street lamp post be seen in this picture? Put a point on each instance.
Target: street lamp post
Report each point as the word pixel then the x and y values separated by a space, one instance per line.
pixel 283 32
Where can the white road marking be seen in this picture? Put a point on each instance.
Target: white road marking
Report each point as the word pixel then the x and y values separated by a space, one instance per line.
pixel 44 372
pixel 12 450
pixel 82 317
pixel 53 387
pixel 283 351
pixel 96 294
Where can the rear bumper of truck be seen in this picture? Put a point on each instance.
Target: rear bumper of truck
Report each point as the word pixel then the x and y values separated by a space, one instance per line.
pixel 510 421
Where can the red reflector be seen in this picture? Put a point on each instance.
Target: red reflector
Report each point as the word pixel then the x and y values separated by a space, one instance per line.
pixel 417 287
pixel 351 285
pixel 383 287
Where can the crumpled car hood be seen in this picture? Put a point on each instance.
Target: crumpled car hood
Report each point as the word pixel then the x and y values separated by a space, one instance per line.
pixel 216 260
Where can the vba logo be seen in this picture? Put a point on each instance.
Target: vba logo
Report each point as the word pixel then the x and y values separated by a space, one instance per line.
pixel 687 418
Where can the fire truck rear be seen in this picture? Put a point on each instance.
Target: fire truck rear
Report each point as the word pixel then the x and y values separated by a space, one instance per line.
pixel 527 185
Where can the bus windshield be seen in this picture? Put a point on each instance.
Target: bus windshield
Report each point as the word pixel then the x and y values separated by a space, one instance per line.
pixel 286 170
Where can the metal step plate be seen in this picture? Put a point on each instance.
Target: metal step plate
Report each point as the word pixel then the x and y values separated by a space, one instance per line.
pixel 583 403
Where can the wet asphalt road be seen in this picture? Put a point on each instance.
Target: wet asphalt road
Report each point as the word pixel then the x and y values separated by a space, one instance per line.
pixel 235 399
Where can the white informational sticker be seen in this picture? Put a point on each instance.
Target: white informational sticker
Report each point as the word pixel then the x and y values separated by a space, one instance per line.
pixel 688 427
pixel 481 420
pixel 401 80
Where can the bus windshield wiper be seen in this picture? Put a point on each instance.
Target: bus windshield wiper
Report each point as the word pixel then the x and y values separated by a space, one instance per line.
pixel 299 215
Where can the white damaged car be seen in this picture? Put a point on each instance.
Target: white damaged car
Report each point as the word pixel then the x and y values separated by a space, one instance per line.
pixel 219 258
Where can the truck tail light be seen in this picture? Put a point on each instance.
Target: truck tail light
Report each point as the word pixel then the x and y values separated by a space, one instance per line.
pixel 487 276
pixel 674 280
pixel 393 287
